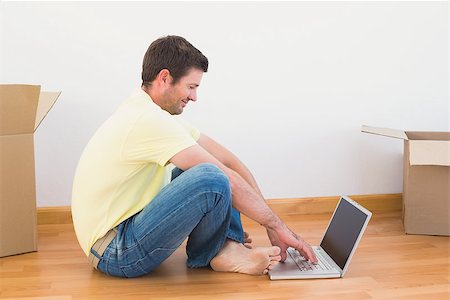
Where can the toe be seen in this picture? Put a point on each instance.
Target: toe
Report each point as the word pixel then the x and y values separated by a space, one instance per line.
pixel 274 251
pixel 275 258
pixel 272 265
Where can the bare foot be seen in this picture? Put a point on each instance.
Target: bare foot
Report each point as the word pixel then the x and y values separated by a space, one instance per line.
pixel 247 240
pixel 235 257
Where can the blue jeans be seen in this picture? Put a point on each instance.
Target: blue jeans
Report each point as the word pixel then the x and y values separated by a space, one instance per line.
pixel 196 205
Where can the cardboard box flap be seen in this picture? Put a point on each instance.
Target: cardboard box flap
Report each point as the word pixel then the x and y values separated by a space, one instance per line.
pixel 425 153
pixel 18 104
pixel 394 133
pixel 46 102
pixel 428 135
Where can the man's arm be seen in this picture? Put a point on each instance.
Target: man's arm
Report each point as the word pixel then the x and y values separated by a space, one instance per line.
pixel 229 160
pixel 245 198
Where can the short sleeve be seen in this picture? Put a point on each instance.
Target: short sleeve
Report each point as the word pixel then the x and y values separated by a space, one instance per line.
pixel 193 131
pixel 156 138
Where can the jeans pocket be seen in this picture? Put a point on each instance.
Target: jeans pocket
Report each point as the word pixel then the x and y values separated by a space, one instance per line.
pixel 148 263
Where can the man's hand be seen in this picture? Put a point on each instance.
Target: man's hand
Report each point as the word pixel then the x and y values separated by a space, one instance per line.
pixel 283 237
pixel 247 197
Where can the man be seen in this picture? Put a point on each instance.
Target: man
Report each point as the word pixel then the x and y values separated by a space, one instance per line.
pixel 147 180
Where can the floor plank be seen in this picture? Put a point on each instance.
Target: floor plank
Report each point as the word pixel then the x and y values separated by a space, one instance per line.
pixel 387 265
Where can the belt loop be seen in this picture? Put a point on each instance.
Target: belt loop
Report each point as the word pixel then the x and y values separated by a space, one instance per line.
pixel 100 247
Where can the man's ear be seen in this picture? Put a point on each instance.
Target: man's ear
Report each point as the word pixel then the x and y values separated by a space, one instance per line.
pixel 164 76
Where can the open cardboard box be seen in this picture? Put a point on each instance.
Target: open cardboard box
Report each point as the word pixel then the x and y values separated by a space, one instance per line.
pixel 426 179
pixel 22 109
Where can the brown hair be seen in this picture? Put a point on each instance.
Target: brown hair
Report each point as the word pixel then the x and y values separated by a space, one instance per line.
pixel 173 53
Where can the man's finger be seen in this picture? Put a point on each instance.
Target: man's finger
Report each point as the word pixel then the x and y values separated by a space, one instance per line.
pixel 308 253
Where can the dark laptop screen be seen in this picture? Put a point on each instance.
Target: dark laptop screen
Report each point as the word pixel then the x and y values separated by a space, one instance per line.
pixel 343 232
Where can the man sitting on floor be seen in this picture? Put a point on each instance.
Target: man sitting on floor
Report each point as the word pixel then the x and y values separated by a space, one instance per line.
pixel 147 180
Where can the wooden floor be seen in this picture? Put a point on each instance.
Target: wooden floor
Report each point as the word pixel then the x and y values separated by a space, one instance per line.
pixel 387 265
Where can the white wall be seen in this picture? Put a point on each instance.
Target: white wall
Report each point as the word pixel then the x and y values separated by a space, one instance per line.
pixel 288 88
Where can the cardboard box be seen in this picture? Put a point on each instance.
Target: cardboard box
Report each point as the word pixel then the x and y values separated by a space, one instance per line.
pixel 22 109
pixel 426 179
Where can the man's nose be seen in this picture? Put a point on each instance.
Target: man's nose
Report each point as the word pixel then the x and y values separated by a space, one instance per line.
pixel 193 96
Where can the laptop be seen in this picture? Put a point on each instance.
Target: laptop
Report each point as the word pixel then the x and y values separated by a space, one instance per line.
pixel 335 252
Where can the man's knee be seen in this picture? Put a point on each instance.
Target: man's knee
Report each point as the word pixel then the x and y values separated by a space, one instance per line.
pixel 211 177
pixel 208 167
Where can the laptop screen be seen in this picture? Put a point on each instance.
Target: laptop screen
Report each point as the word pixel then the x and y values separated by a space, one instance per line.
pixel 343 232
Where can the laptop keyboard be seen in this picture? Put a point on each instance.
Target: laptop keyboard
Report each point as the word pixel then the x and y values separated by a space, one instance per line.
pixel 305 265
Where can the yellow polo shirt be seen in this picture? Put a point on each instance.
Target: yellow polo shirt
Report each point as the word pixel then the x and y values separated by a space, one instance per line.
pixel 125 165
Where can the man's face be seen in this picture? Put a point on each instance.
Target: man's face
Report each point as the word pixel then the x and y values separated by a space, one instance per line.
pixel 176 96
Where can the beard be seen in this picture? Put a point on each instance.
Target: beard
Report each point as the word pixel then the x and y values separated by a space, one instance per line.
pixel 171 103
